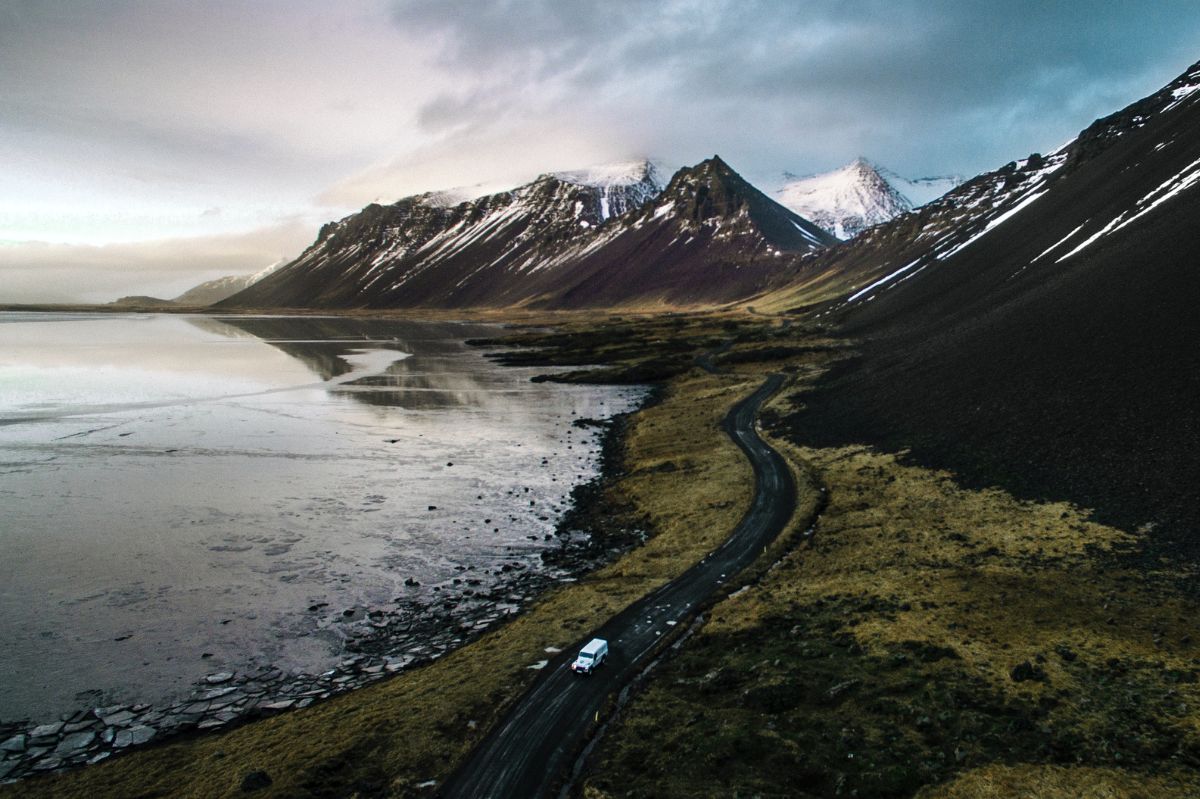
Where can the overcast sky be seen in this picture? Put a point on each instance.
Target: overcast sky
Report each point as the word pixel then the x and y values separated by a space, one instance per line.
pixel 145 146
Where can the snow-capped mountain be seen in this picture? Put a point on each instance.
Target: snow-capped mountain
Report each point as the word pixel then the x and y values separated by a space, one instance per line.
pixel 860 195
pixel 846 201
pixel 606 234
pixel 620 182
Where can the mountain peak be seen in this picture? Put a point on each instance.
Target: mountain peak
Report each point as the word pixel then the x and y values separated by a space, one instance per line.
pixel 859 195
pixel 713 195
pixel 845 201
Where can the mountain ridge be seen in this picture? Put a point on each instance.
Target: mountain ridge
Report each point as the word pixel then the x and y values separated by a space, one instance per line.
pixel 548 244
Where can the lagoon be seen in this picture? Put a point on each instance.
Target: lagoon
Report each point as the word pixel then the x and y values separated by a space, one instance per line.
pixel 184 495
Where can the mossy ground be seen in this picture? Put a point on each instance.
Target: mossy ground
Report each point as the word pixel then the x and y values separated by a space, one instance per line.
pixel 878 659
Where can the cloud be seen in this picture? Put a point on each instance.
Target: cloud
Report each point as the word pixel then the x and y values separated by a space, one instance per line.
pixel 131 120
pixel 941 85
pixel 33 272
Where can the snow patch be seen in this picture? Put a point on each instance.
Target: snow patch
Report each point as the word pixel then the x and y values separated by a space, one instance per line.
pixel 1185 179
pixel 1059 243
pixel 883 281
pixel 995 223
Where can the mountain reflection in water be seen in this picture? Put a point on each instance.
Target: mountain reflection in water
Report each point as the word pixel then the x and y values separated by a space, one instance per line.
pixel 431 378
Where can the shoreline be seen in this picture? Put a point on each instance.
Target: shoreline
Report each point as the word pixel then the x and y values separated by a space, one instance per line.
pixel 408 635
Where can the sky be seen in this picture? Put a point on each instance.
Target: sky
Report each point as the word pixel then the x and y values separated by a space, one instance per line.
pixel 146 146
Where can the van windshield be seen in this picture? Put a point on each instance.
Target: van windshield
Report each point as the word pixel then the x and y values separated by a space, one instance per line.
pixel 584 656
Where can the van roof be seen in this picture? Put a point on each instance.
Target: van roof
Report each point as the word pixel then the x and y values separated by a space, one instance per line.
pixel 594 646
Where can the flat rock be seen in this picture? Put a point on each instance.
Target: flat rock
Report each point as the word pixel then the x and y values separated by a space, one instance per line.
pixel 225 701
pixel 282 704
pixel 133 736
pixel 46 730
pixel 74 743
pixel 17 743
pixel 216 692
pixel 121 718
pixel 219 677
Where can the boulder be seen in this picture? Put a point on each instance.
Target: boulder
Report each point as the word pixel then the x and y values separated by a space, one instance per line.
pixel 1026 671
pixel 256 781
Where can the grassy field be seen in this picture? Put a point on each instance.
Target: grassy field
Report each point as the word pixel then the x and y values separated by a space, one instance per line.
pixel 681 476
pixel 928 641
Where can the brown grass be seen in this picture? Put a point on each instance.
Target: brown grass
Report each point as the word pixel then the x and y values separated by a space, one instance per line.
pixel 1055 782
pixel 878 658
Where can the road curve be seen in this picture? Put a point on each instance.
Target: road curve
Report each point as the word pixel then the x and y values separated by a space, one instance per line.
pixel 528 753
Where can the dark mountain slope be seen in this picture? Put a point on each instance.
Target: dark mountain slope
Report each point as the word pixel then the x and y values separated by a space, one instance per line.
pixel 1058 353
pixel 555 243
pixel 420 251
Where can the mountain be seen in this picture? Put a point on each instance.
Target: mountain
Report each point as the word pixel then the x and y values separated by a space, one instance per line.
pixel 860 195
pixel 846 201
pixel 213 291
pixel 1037 326
pixel 605 236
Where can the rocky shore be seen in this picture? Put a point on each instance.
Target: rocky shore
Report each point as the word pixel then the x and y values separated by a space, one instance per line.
pixel 379 641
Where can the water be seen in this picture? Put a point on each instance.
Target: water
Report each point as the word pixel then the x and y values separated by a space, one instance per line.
pixel 177 492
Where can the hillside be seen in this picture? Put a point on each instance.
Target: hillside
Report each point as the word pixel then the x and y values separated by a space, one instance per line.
pixel 1035 328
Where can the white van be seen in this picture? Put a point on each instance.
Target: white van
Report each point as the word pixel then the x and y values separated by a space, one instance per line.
pixel 591 656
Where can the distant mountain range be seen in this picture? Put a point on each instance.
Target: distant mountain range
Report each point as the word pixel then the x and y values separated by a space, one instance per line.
pixel 207 293
pixel 842 203
pixel 213 291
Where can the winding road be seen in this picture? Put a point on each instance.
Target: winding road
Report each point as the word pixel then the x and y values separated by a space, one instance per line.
pixel 530 751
